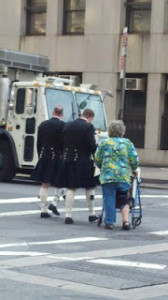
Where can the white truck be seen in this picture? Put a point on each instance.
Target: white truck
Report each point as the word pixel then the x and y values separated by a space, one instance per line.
pixel 25 104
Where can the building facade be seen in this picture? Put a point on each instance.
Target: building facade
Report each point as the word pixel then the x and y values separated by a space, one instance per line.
pixel 83 38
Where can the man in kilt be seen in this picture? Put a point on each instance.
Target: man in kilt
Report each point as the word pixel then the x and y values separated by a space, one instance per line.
pixel 49 165
pixel 79 146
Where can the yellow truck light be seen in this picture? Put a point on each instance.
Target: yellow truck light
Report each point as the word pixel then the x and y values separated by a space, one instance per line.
pixel 36 84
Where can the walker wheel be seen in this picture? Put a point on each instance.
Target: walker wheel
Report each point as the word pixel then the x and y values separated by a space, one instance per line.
pixel 136 222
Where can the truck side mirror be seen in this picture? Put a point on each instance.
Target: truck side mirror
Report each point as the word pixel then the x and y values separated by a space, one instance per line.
pixel 83 104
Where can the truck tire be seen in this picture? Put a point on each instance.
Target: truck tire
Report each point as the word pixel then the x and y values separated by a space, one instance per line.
pixel 7 166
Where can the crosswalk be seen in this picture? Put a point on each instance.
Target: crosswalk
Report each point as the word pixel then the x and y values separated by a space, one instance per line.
pixel 92 261
pixel 79 240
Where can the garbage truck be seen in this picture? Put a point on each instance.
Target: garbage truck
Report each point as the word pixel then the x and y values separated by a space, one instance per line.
pixel 25 104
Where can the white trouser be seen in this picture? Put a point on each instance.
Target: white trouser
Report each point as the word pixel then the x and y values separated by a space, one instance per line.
pixel 57 194
pixel 70 195
pixel 43 199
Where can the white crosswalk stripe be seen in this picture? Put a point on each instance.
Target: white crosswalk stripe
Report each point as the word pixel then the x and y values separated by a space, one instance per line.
pixel 163 232
pixel 124 263
pixel 64 241
pixel 34 212
pixel 77 197
pixel 36 199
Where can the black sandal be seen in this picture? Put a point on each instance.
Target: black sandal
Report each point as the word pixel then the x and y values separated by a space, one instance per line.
pixel 109 226
pixel 126 225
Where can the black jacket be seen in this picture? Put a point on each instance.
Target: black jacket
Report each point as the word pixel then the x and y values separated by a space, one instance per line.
pixel 78 137
pixel 79 144
pixel 49 147
pixel 50 136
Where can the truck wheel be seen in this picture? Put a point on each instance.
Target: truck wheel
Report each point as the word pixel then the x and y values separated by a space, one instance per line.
pixel 7 166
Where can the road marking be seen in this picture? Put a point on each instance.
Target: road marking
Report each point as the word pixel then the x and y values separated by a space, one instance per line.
pixel 65 241
pixel 154 196
pixel 163 232
pixel 77 197
pixel 68 258
pixel 92 256
pixel 36 199
pixel 19 200
pixel 19 213
pixel 21 253
pixel 125 263
pixel 48 255
pixel 105 253
pixel 34 212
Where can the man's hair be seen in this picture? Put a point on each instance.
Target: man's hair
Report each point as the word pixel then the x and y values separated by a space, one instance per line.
pixel 116 128
pixel 58 110
pixel 88 113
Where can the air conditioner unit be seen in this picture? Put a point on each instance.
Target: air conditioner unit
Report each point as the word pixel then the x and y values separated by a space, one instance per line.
pixel 73 78
pixel 135 84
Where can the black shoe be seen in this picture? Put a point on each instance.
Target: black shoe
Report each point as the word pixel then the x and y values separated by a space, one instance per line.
pixel 68 220
pixel 126 225
pixel 54 209
pixel 109 226
pixel 45 215
pixel 93 218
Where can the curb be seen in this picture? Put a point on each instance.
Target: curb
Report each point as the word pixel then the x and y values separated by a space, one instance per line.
pixel 154 183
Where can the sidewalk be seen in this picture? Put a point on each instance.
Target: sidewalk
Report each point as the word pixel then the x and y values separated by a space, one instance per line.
pixel 154 177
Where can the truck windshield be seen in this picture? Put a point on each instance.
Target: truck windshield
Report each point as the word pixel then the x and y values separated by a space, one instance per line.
pixel 95 103
pixel 64 98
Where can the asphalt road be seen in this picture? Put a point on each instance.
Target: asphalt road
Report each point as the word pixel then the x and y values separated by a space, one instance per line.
pixel 47 259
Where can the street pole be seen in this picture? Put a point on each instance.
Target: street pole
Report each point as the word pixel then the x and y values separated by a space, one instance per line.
pixel 124 40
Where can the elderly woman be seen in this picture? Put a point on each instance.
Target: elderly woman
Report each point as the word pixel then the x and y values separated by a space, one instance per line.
pixel 117 158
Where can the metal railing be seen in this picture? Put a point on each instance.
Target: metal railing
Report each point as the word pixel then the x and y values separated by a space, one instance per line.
pixel 164 132
pixel 135 129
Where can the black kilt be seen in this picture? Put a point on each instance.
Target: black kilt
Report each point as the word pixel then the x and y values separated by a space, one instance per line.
pixel 79 174
pixel 48 170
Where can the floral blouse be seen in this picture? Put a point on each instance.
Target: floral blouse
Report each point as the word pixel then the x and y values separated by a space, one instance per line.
pixel 116 157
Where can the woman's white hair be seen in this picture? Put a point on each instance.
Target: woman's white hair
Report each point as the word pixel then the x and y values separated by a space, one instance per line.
pixel 116 128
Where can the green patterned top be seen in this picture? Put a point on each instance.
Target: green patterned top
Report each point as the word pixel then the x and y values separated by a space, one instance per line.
pixel 116 157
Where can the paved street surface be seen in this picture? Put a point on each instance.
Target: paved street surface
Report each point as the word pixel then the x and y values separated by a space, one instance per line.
pixel 47 259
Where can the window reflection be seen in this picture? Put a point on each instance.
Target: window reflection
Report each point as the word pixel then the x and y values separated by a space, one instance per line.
pixel 36 17
pixel 138 15
pixel 74 16
pixel 93 102
pixel 58 97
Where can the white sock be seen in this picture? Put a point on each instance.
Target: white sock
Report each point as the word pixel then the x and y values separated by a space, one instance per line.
pixel 90 201
pixel 43 199
pixel 70 194
pixel 57 194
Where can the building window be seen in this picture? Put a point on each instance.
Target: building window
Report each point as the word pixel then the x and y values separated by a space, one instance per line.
pixel 164 120
pixel 138 15
pixel 36 17
pixel 135 108
pixel 74 16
